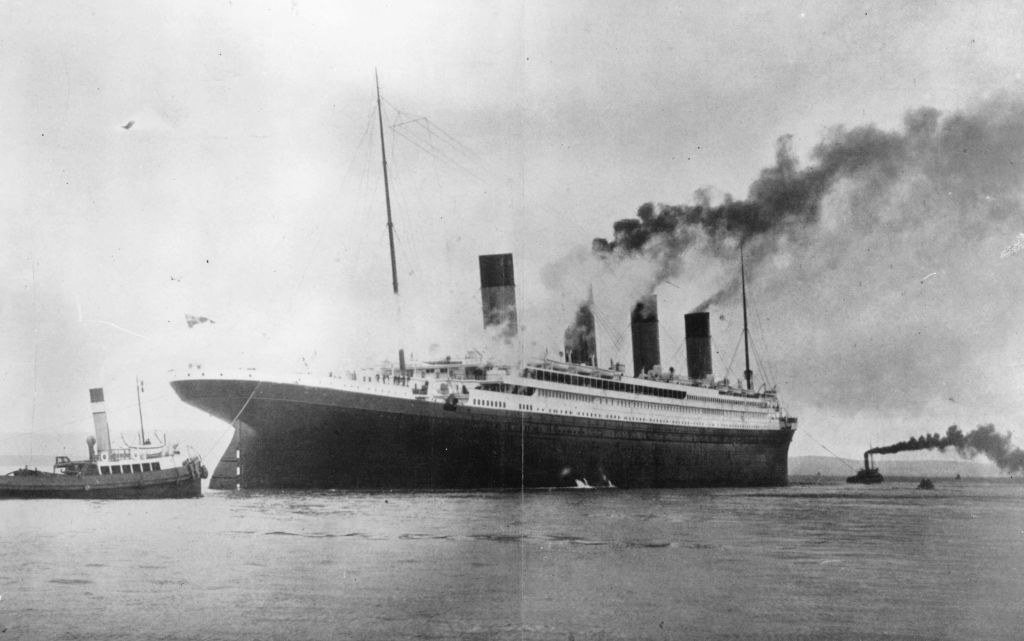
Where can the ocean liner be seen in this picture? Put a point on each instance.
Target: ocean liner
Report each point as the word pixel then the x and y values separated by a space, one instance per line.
pixel 465 423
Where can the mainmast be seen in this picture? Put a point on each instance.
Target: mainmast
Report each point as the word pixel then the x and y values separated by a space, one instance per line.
pixel 387 192
pixel 747 374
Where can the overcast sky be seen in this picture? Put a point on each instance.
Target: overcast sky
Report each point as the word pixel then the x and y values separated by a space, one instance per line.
pixel 248 190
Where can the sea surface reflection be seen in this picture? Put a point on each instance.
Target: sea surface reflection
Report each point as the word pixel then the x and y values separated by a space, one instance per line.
pixel 815 561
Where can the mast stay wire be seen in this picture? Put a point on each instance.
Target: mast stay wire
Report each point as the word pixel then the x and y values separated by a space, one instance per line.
pixel 436 153
pixel 767 379
pixel 439 141
pixel 611 329
pixel 398 154
pixel 433 128
pixel 401 194
pixel 412 260
pixel 364 137
pixel 732 359
pixel 310 255
pixel 368 190
pixel 664 331
pixel 428 146
pixel 822 446
pixel 403 129
pixel 467 297
pixel 767 366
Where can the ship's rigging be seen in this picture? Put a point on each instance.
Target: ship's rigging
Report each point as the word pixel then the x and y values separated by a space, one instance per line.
pixel 750 333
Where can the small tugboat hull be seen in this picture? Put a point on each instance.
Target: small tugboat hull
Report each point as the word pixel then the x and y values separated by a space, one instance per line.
pixel 183 482
pixel 865 477
pixel 143 471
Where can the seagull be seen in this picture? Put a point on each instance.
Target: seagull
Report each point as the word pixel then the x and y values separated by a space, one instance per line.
pixel 128 125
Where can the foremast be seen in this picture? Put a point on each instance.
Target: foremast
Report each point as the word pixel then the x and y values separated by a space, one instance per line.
pixel 387 204
pixel 387 189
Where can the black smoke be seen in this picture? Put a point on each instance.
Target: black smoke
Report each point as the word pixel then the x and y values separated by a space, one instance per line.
pixel 983 440
pixel 954 154
pixel 837 247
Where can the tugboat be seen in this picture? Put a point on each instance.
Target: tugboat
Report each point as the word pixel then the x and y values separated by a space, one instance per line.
pixel 869 475
pixel 144 471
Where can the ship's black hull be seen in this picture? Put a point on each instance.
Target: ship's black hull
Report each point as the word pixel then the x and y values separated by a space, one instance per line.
pixel 166 484
pixel 297 436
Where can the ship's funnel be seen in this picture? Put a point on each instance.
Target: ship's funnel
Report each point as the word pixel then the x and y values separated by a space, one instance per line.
pixel 498 293
pixel 580 338
pixel 644 323
pixel 698 345
pixel 99 419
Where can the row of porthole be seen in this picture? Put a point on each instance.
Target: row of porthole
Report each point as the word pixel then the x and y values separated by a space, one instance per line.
pixel 656 420
pixel 501 404
pixel 645 434
pixel 745 406
pixel 658 406
pixel 488 403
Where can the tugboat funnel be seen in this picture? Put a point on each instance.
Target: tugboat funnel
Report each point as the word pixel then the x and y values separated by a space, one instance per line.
pixel 99 419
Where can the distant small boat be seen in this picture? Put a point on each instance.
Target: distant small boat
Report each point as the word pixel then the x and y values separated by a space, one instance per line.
pixel 868 476
pixel 926 484
pixel 143 471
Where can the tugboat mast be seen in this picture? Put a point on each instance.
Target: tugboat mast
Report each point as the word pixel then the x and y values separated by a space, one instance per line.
pixel 747 374
pixel 138 399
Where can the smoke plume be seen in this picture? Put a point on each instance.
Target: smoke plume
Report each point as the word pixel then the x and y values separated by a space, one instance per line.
pixel 580 339
pixel 873 262
pixel 983 440
pixel 785 200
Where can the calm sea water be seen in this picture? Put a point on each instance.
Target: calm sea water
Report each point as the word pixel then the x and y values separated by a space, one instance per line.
pixel 827 561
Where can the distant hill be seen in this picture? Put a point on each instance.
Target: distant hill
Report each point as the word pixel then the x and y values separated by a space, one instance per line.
pixel 831 466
